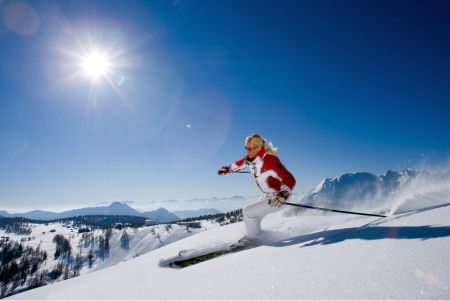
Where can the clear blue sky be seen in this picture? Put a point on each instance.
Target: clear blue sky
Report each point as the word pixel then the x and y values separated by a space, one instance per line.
pixel 338 86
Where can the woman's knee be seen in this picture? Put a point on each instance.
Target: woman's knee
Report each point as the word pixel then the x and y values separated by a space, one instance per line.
pixel 254 210
pixel 251 211
pixel 247 211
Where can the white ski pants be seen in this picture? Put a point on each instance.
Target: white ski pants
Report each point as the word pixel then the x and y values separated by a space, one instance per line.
pixel 255 212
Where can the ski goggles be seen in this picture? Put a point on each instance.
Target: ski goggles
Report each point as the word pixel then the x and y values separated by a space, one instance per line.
pixel 249 149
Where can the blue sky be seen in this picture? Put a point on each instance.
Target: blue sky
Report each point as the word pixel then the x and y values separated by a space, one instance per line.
pixel 337 86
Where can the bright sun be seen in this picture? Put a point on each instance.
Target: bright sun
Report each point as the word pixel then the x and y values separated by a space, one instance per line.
pixel 95 65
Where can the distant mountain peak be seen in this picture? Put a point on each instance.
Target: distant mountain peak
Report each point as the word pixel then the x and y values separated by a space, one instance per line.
pixel 161 209
pixel 119 205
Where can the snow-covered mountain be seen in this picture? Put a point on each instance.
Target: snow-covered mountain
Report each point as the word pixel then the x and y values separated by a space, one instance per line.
pixel 403 256
pixel 115 208
pixel 359 188
pixel 356 186
pixel 195 213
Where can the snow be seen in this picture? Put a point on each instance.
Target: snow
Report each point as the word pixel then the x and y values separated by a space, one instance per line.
pixel 403 256
pixel 42 237
pixel 319 187
pixel 142 240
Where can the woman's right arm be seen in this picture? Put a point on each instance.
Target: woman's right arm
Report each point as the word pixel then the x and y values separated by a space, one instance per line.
pixel 236 166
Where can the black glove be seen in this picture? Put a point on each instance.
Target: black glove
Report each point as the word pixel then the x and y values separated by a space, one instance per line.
pixel 279 199
pixel 224 170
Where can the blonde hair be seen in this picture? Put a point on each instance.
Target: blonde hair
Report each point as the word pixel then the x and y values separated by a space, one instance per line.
pixel 258 140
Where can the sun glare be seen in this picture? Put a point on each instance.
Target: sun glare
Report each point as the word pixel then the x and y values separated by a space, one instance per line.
pixel 95 65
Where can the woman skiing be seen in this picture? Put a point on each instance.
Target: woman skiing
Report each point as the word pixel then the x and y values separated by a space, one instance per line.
pixel 273 179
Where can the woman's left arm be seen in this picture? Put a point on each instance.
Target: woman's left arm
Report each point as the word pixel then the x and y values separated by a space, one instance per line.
pixel 287 182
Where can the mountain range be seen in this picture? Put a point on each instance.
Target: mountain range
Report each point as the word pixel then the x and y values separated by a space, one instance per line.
pixel 115 208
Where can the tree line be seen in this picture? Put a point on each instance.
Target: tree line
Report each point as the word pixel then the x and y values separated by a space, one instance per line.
pixel 103 221
pixel 222 218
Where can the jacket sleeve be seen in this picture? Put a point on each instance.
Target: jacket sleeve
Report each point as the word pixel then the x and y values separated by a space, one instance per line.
pixel 239 164
pixel 287 179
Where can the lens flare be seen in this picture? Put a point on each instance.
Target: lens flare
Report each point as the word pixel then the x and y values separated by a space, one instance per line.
pixel 427 277
pixel 121 80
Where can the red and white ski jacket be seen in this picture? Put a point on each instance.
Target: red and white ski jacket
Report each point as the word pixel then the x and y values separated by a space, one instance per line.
pixel 270 174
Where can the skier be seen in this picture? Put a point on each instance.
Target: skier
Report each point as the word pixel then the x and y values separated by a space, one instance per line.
pixel 273 179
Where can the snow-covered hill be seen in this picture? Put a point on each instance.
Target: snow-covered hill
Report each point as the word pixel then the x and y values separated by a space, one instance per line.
pixel 88 251
pixel 309 256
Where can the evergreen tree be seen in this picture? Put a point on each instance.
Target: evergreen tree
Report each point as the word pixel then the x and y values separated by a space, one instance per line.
pixel 90 258
pixel 63 247
pixel 4 290
pixel 66 273
pixel 125 240
pixel 78 264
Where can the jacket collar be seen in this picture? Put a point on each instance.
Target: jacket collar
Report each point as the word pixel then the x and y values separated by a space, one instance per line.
pixel 261 153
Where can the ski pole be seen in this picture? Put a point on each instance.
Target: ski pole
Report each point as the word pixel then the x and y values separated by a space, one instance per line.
pixel 334 210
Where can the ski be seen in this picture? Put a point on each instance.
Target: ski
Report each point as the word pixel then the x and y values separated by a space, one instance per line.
pixel 186 258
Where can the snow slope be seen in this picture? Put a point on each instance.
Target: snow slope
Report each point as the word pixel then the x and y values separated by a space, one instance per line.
pixel 403 256
pixel 141 241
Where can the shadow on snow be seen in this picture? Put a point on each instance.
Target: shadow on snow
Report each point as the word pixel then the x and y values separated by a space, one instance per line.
pixel 372 233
